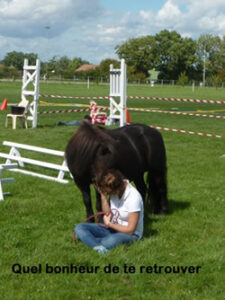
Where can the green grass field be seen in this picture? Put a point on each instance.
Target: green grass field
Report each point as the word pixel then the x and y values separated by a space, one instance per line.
pixel 37 219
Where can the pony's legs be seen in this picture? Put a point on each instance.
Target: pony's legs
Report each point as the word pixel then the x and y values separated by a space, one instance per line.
pixel 98 205
pixel 141 186
pixel 87 201
pixel 162 187
pixel 158 193
pixel 98 201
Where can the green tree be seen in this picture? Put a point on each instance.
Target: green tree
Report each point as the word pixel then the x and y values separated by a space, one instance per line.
pixel 174 55
pixel 104 66
pixel 32 57
pixel 167 52
pixel 62 66
pixel 16 59
pixel 75 63
pixel 138 53
pixel 219 78
pixel 221 54
pixel 183 79
pixel 208 53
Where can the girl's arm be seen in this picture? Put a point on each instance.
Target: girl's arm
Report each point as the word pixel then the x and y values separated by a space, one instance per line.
pixel 105 203
pixel 129 229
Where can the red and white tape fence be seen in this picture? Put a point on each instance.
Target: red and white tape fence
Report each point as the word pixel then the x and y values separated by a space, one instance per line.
pixel 74 97
pixel 177 99
pixel 63 111
pixel 134 109
pixel 70 111
pixel 178 113
pixel 188 132
pixel 138 98
pixel 148 110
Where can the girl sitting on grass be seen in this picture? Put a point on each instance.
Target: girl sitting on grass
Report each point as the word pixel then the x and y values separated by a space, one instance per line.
pixel 123 219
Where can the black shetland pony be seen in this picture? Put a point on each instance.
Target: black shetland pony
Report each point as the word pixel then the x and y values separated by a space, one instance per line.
pixel 133 149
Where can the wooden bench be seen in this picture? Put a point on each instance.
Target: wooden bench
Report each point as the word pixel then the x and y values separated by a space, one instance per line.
pixel 5 180
pixel 15 155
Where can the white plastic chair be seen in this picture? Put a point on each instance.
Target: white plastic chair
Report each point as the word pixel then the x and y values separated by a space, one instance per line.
pixel 22 117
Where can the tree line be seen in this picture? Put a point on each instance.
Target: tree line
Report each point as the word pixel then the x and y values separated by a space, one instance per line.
pixel 172 56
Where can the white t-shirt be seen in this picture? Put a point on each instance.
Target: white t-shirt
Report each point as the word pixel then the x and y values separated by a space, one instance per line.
pixel 131 201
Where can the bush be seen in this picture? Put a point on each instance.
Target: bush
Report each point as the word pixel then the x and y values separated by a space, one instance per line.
pixel 219 78
pixel 183 79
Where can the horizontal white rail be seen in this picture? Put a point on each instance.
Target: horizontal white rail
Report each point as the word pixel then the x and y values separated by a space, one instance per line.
pixel 35 162
pixel 15 155
pixel 34 148
pixel 39 175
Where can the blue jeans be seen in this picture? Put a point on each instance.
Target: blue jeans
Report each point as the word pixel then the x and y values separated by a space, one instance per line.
pixel 95 235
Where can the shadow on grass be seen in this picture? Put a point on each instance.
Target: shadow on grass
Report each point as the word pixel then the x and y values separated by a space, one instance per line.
pixel 149 218
pixel 175 205
pixel 41 126
pixel 148 231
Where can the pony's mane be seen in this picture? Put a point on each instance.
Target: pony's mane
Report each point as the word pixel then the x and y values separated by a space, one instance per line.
pixel 88 137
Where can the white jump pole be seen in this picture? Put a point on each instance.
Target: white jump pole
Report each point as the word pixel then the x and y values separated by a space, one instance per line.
pixel 118 90
pixel 31 74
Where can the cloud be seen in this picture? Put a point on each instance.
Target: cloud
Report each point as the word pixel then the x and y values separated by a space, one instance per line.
pixel 84 28
pixel 169 11
pixel 108 33
pixel 28 18
pixel 202 16
pixel 188 17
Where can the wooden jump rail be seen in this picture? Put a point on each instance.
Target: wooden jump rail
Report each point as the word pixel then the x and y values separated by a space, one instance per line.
pixel 15 155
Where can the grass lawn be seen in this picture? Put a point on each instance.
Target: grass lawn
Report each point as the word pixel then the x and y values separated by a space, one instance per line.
pixel 38 259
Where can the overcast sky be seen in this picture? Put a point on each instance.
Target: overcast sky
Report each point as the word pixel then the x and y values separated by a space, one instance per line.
pixel 90 29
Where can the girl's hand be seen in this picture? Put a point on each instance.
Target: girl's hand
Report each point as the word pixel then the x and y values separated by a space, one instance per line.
pixel 96 187
pixel 99 190
pixel 107 219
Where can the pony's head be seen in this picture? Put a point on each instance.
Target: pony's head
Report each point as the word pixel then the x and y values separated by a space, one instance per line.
pixel 90 148
pixel 106 155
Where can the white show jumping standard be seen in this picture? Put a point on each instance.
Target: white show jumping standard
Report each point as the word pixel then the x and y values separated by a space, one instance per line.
pixel 31 74
pixel 118 90
pixel 15 155
pixel 117 94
